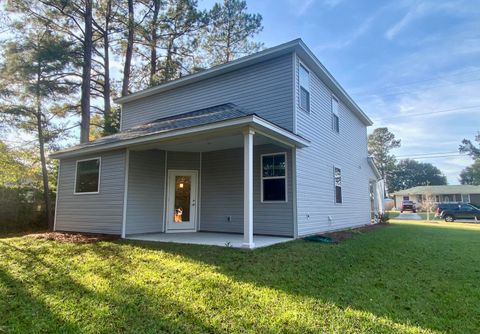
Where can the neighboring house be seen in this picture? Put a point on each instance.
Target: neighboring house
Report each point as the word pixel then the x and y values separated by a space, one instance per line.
pixel 441 194
pixel 268 144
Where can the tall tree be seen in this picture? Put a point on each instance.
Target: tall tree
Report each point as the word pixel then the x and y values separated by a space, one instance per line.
pixel 231 31
pixel 106 30
pixel 471 174
pixel 180 26
pixel 31 76
pixel 410 173
pixel 129 48
pixel 86 71
pixel 73 20
pixel 380 143
pixel 468 147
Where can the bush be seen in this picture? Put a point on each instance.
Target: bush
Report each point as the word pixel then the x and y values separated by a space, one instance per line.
pixel 21 208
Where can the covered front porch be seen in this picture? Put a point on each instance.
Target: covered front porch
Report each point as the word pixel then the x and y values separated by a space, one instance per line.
pixel 210 239
pixel 230 183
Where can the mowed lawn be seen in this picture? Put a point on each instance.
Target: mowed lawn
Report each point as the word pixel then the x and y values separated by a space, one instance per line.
pixel 406 278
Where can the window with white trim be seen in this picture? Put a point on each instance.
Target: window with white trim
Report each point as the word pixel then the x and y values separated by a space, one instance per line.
pixel 335 115
pixel 337 178
pixel 466 198
pixel 87 178
pixel 274 177
pixel 304 77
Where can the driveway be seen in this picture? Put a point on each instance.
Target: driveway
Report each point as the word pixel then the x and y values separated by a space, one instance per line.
pixel 409 216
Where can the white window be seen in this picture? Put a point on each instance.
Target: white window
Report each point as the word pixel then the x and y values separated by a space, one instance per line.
pixel 304 88
pixel 337 178
pixel 274 177
pixel 87 176
pixel 466 198
pixel 335 115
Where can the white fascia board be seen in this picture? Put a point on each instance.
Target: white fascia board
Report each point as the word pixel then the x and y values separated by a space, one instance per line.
pixel 374 167
pixel 250 120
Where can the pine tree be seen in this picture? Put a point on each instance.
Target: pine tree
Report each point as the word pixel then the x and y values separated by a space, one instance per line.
pixel 32 78
pixel 231 30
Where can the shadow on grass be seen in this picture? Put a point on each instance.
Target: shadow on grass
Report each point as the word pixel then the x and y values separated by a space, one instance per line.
pixel 46 297
pixel 414 274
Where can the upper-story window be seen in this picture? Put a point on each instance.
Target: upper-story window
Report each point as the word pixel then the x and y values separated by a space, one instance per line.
pixel 304 88
pixel 335 115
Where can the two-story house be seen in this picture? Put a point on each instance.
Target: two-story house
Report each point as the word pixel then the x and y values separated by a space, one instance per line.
pixel 269 144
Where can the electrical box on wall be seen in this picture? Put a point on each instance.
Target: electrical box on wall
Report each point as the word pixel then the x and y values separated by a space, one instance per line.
pixel 330 220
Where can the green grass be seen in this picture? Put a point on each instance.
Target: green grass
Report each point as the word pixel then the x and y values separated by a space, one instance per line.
pixel 407 278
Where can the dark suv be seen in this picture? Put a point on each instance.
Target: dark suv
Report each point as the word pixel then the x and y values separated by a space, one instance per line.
pixel 408 206
pixel 452 211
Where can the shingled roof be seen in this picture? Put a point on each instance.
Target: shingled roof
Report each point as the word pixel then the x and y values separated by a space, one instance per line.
pixel 204 116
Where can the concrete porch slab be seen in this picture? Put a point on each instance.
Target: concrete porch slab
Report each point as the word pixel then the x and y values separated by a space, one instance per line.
pixel 209 238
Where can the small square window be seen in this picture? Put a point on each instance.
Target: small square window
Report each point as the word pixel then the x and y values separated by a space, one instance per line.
pixel 87 179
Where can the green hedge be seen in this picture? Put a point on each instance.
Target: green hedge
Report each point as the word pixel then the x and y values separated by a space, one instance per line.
pixel 21 208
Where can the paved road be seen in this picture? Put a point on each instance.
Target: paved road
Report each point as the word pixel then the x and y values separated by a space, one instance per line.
pixel 408 216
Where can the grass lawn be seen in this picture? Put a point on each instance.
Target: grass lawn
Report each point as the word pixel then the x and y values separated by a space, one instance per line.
pixel 406 278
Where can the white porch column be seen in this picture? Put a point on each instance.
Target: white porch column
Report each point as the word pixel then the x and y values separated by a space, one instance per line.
pixel 248 188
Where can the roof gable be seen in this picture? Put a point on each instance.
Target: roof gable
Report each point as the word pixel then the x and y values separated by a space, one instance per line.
pixel 296 46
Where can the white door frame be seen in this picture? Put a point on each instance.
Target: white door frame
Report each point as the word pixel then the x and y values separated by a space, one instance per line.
pixel 194 191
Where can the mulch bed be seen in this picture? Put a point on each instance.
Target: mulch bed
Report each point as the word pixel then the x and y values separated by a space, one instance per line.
pixel 340 236
pixel 76 238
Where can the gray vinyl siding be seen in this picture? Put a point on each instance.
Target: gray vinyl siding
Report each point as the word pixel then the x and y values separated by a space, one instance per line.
pixel 95 213
pixel 146 187
pixel 346 150
pixel 264 88
pixel 222 194
pixel 183 160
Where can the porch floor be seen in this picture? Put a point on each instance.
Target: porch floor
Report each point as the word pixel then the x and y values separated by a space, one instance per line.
pixel 209 238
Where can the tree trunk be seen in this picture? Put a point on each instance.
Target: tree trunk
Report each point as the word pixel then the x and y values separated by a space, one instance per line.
pixel 43 160
pixel 107 109
pixel 129 51
pixel 153 44
pixel 86 74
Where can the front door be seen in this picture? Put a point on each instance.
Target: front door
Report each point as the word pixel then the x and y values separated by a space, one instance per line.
pixel 181 200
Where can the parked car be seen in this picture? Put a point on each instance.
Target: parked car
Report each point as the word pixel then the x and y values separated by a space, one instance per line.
pixel 452 211
pixel 408 206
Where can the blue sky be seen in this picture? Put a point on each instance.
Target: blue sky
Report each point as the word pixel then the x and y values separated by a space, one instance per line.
pixel 396 59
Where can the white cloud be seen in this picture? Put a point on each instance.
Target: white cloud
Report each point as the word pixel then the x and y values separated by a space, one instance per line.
pixel 413 14
pixel 346 41
pixel 303 5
